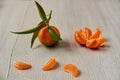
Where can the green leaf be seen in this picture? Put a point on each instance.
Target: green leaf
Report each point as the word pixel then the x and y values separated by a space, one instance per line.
pixel 34 36
pixel 53 34
pixel 40 25
pixel 41 11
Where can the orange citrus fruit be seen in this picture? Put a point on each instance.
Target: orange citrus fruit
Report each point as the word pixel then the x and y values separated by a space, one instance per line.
pixel 85 37
pixel 45 37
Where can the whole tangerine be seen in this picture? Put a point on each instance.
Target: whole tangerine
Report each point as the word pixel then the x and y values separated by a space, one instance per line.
pixel 45 37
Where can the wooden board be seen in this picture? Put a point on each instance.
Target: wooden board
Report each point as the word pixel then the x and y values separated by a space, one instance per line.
pixel 68 16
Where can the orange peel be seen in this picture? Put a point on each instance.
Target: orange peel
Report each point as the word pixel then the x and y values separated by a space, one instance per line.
pixel 45 38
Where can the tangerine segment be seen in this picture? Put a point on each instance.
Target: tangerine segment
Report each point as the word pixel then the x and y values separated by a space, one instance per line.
pixel 93 43
pixel 72 69
pixel 83 34
pixel 51 64
pixel 96 35
pixel 88 32
pixel 101 41
pixel 45 38
pixel 21 65
pixel 79 38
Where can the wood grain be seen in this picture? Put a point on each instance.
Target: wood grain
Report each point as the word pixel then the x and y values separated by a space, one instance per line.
pixel 68 16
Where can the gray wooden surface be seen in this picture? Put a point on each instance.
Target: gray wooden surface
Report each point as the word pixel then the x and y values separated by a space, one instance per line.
pixel 68 16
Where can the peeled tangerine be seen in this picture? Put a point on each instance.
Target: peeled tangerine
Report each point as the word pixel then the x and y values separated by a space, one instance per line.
pixel 85 37
pixel 51 64
pixel 72 69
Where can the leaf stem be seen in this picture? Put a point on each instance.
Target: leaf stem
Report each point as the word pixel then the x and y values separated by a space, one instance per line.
pixel 48 20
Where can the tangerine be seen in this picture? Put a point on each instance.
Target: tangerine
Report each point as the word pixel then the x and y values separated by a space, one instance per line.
pixel 45 37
